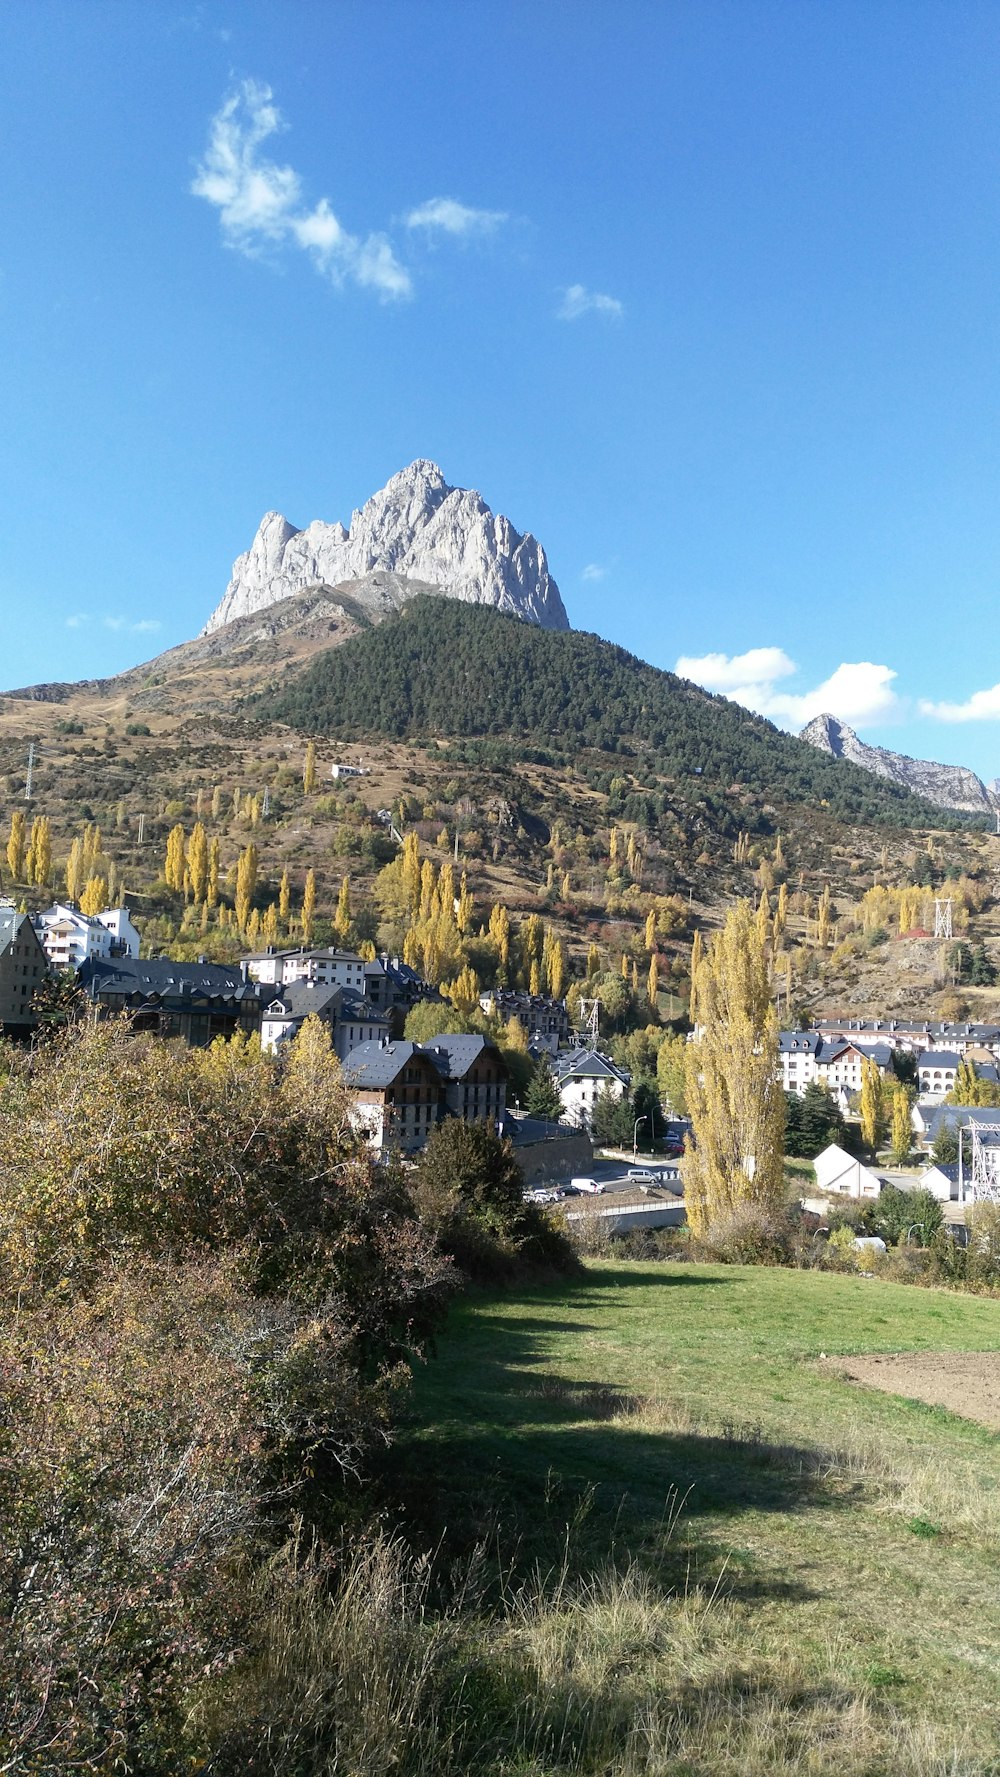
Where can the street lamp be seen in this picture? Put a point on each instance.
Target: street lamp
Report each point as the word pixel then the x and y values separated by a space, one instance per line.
pixel 635 1135
pixel 910 1229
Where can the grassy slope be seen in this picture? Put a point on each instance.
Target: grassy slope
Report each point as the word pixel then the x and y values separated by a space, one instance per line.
pixel 855 1534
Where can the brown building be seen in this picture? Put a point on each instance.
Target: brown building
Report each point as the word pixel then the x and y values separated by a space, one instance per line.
pixel 23 968
pixel 401 1090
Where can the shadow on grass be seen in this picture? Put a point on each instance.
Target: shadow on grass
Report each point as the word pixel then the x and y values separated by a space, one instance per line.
pixel 501 1448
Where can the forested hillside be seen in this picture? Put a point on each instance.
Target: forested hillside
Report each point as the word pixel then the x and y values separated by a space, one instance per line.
pixel 464 671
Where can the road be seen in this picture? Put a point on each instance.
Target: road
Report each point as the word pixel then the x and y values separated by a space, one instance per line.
pixel 613 1175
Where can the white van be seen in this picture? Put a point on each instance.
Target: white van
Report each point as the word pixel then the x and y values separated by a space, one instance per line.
pixel 591 1185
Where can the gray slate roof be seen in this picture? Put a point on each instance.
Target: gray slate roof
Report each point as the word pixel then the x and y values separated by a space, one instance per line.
pixel 939 1058
pixel 162 977
pixel 299 998
pixel 454 1055
pixel 585 1064
pixel 378 1064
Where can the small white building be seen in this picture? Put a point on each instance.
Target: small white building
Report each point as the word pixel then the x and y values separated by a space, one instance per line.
pixel 325 968
pixel 839 1174
pixel 581 1076
pixel 70 938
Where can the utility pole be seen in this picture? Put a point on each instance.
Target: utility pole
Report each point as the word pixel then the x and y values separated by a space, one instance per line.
pixel 29 784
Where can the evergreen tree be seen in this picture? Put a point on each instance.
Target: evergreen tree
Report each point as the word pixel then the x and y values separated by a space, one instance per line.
pixel 541 1098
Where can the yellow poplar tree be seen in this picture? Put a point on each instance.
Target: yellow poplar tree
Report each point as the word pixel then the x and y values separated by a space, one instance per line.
pixel 901 1132
pixel 500 933
pixel 216 802
pixel 411 870
pixel 342 917
pixel 38 863
pixel 872 1110
pixel 212 890
pixel 593 961
pixel 650 936
pixel 733 1080
pixel 557 970
pixel 15 845
pixel 464 915
pixel 94 898
pixel 246 883
pixel 309 907
pixel 74 871
pixel 284 895
pixel 653 982
pixel 173 866
pixel 309 770
pixel 534 978
pixel 197 863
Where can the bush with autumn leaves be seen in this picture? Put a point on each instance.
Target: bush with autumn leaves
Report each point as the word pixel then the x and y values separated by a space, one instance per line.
pixel 211 1297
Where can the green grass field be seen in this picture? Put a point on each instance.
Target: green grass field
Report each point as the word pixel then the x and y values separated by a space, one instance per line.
pixel 715 1557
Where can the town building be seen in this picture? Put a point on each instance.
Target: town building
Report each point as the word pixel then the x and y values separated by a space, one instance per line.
pixel 351 1018
pixel 403 1090
pixel 327 967
pixel 70 937
pixel 937 1071
pixel 474 1076
pixel 839 1174
pixel 393 986
pixel 195 1001
pixel 545 1022
pixel 581 1076
pixel 914 1035
pixel 23 968
pixel 838 1063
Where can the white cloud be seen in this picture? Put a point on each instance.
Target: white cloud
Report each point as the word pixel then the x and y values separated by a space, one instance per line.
pixel 594 570
pixel 722 672
pixel 578 300
pixel 982 706
pixel 142 627
pixel 447 215
pixel 260 203
pixel 78 619
pixel 859 692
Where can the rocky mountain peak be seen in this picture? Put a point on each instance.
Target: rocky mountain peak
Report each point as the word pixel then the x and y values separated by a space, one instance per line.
pixel 949 786
pixel 417 527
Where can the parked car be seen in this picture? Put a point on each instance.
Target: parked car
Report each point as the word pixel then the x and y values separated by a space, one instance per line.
pixel 641 1175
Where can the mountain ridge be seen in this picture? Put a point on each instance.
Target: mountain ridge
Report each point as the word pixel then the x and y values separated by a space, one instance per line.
pixel 947 786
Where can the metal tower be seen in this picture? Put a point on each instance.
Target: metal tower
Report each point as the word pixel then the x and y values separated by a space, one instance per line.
pixel 984 1184
pixel 590 1019
pixel 942 919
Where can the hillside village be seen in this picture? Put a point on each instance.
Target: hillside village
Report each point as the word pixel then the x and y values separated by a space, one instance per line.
pixel 524 1053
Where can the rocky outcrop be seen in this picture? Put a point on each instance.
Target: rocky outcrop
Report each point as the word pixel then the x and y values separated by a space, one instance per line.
pixel 949 786
pixel 417 528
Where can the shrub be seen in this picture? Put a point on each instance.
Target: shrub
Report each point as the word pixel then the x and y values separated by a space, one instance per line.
pixel 752 1234
pixel 469 1190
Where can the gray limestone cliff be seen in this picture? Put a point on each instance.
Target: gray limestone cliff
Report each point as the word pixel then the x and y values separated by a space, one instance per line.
pixel 949 786
pixel 417 528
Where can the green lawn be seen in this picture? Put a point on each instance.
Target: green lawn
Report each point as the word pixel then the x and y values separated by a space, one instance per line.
pixel 829 1553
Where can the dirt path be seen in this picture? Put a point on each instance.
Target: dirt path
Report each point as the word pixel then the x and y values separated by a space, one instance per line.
pixel 966 1382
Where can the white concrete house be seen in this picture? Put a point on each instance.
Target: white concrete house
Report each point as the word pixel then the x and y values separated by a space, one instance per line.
pixel 581 1076
pixel 351 1018
pixel 805 1056
pixel 325 968
pixel 70 938
pixel 839 1174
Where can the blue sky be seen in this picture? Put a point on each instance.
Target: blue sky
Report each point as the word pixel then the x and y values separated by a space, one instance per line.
pixel 704 295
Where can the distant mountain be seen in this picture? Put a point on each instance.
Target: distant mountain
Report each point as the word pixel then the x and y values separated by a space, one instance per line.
pixel 947 786
pixel 442 670
pixel 416 528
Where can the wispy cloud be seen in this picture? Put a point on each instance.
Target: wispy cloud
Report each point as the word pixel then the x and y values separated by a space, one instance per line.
pixel 982 706
pixel 445 215
pixel 857 692
pixel 577 300
pixel 260 203
pixel 594 570
pixel 78 619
